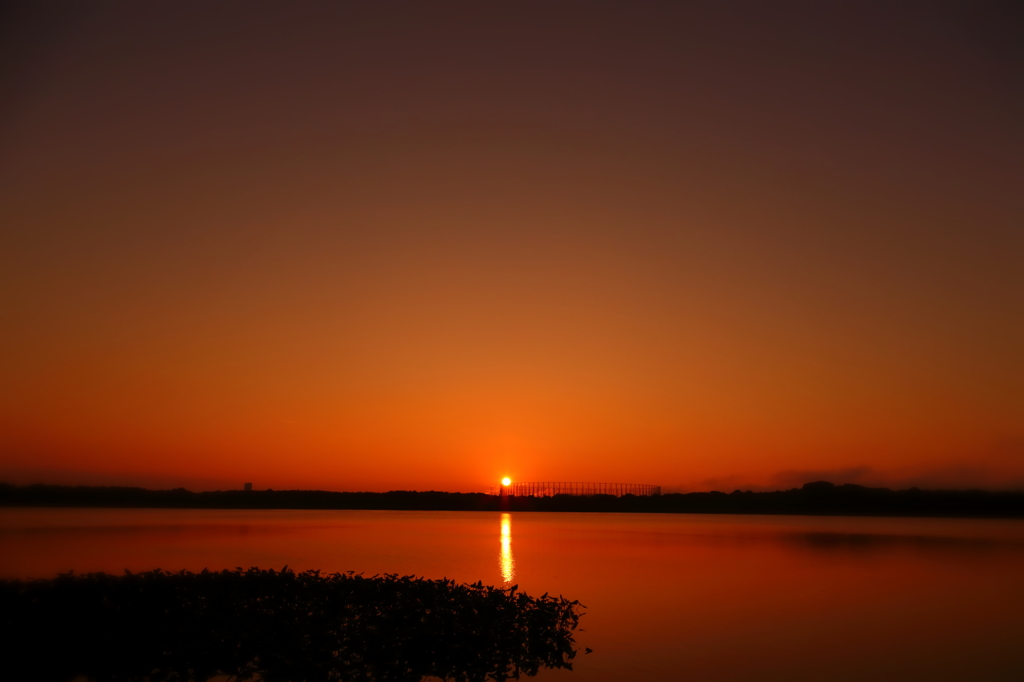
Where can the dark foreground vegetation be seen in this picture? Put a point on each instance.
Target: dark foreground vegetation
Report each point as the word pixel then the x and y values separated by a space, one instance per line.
pixel 813 498
pixel 280 625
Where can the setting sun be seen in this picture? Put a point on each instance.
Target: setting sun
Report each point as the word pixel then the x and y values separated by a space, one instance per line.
pixel 727 284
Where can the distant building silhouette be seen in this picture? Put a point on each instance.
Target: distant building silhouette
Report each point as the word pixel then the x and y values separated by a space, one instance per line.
pixel 547 489
pixel 247 487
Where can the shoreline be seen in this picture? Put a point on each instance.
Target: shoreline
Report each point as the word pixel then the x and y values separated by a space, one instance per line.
pixel 813 499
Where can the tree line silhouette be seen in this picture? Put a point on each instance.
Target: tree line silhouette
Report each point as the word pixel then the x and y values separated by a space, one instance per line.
pixel 820 497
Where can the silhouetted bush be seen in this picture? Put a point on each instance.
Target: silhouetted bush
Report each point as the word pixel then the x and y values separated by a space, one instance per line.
pixel 280 625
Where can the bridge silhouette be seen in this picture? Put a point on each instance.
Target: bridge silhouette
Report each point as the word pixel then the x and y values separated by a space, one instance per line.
pixel 547 489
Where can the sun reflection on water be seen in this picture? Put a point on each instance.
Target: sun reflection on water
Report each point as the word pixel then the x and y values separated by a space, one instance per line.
pixel 505 560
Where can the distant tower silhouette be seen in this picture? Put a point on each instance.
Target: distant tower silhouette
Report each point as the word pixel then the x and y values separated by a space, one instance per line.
pixel 247 487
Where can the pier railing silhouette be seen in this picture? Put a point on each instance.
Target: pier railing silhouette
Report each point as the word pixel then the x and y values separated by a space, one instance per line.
pixel 549 489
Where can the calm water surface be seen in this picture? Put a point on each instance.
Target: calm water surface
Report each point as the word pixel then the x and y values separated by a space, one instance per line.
pixel 669 597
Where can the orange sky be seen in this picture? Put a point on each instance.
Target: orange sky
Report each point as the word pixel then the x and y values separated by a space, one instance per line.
pixel 427 245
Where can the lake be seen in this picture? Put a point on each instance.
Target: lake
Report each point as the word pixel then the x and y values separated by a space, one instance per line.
pixel 668 596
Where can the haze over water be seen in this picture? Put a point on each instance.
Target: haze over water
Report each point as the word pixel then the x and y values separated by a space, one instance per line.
pixel 702 597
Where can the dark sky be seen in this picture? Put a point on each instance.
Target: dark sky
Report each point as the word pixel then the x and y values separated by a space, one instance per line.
pixel 425 245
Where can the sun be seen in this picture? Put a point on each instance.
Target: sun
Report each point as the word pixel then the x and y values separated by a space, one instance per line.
pixel 506 481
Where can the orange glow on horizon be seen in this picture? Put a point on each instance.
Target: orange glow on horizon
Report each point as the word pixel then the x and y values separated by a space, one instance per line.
pixel 369 253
